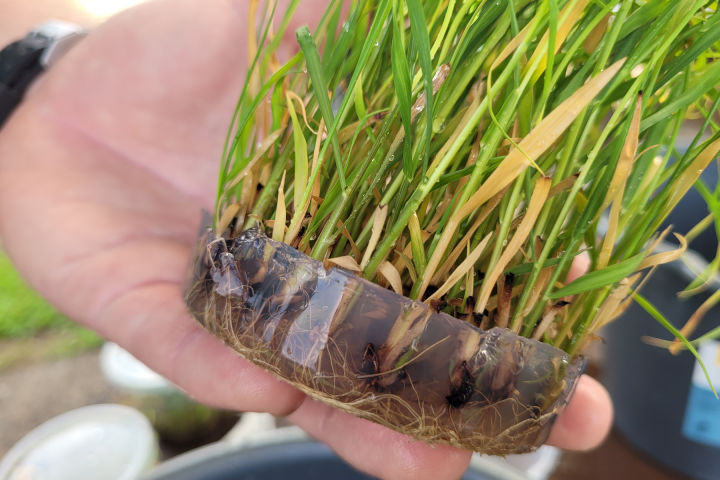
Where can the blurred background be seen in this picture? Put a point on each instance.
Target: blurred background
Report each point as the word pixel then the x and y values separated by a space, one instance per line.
pixel 49 365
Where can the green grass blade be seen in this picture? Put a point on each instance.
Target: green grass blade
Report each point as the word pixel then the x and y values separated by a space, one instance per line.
pixel 708 80
pixel 649 308
pixel 301 157
pixel 403 90
pixel 701 43
pixel 315 69
pixel 422 44
pixel 600 278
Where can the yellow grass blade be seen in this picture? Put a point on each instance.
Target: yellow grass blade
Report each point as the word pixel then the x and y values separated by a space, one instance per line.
pixel 346 262
pixel 653 263
pixel 694 321
pixel 294 96
pixel 403 262
pixel 299 215
pixel 462 269
pixel 530 149
pixel 512 45
pixel 547 319
pixel 315 192
pixel 535 205
pixel 625 161
pixel 280 213
pixel 690 175
pixel 537 289
pixel 301 158
pixel 648 180
pixel 665 257
pixel 568 17
pixel 416 243
pixel 597 33
pixel 455 254
pixel 387 270
pixel 353 247
pixel 616 189
pixel 564 184
pixel 227 216
pixel 262 149
pixel 540 139
pixel 606 313
pixel 378 222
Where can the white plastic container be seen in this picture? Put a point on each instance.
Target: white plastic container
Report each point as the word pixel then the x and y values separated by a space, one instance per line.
pixel 112 442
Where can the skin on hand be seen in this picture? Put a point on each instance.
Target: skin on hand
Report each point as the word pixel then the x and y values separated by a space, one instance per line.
pixel 103 172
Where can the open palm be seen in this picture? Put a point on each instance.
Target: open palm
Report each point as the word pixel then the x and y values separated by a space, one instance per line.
pixel 103 173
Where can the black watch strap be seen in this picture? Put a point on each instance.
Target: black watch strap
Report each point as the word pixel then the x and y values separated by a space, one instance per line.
pixel 19 65
pixel 22 61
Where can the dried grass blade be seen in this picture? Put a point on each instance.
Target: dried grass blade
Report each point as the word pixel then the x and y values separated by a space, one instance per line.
pixel 616 189
pixel 568 18
pixel 227 216
pixel 299 215
pixel 262 149
pixel 694 320
pixel 280 213
pixel 403 262
pixel 596 35
pixel 564 184
pixel 455 254
pixel 547 320
pixel 537 289
pixel 609 307
pixel 353 246
pixel 690 175
pixel 301 157
pixel 511 46
pixel 504 287
pixel 438 79
pixel 462 269
pixel 535 205
pixel 303 112
pixel 648 307
pixel 347 262
pixel 665 257
pixel 625 161
pixel 388 270
pixel 378 222
pixel 539 139
pixel 530 148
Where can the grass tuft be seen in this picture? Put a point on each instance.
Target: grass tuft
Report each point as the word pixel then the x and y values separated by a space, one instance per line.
pixel 477 145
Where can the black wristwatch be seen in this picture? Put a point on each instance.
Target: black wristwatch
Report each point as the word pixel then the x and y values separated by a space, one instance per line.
pixel 22 61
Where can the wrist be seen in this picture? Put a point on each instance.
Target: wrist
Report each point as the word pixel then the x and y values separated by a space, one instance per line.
pixel 26 59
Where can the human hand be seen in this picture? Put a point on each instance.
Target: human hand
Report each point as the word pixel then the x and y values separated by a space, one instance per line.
pixel 103 172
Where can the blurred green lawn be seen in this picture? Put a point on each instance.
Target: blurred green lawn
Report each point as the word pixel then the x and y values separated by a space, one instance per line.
pixel 30 329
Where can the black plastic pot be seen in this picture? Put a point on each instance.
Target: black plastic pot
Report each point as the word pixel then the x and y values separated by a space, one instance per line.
pixel 295 460
pixel 651 388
